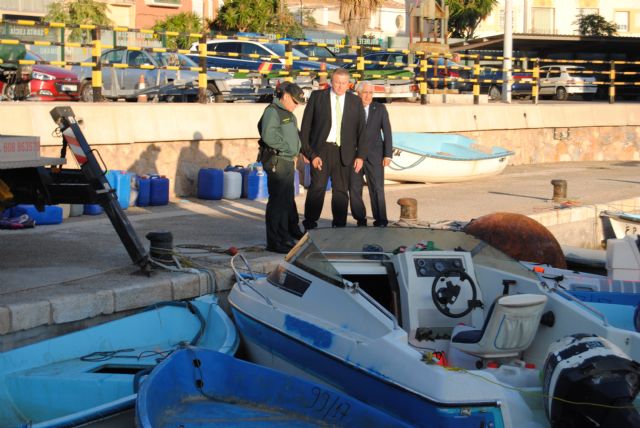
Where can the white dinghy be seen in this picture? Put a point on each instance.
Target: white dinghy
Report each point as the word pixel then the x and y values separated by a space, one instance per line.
pixel 439 329
pixel 443 158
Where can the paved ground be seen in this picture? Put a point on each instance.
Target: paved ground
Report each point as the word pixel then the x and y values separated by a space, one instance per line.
pixel 52 275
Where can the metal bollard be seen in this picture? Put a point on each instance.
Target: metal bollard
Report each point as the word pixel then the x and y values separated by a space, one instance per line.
pixel 559 190
pixel 161 246
pixel 408 209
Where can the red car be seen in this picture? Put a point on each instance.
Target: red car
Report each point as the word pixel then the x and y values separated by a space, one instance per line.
pixel 50 83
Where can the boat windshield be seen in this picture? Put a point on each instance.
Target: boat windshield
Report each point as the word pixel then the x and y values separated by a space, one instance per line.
pixel 308 257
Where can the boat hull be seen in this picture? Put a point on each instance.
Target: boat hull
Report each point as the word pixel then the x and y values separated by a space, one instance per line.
pixel 442 158
pixel 273 348
pixel 89 374
pixel 618 224
pixel 412 167
pixel 224 391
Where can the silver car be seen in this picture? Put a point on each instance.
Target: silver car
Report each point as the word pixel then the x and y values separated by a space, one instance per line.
pixel 564 80
pixel 160 84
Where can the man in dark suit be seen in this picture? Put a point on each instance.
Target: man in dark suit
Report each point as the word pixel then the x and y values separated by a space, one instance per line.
pixel 379 152
pixel 332 135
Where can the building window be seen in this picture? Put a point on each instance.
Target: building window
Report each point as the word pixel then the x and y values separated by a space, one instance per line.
pixel 622 21
pixel 165 3
pixel 543 20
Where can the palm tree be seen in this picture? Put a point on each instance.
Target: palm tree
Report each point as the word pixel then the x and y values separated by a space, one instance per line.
pixel 466 15
pixel 79 12
pixel 355 15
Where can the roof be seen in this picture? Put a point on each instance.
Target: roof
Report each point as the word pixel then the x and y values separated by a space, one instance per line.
pixel 544 45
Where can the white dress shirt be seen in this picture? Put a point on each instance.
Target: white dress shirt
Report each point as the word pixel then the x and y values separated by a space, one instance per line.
pixel 334 98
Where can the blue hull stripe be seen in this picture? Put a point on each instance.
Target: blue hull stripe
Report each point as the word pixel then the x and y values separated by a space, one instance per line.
pixel 365 386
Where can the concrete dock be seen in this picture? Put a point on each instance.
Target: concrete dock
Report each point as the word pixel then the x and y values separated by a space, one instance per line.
pixel 59 278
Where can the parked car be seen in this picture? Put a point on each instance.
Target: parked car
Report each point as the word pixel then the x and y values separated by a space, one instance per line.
pixel 520 88
pixel 564 80
pixel 49 83
pixel 161 83
pixel 264 52
pixel 398 66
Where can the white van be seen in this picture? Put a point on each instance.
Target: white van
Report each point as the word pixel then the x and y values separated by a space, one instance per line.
pixel 564 80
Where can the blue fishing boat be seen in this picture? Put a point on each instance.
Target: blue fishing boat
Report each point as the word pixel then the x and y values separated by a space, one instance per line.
pixel 443 158
pixel 92 373
pixel 197 387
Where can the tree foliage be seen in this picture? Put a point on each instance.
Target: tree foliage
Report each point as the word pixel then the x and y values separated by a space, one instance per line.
pixel 355 16
pixel 466 15
pixel 285 24
pixel 257 16
pixel 595 25
pixel 184 22
pixel 89 12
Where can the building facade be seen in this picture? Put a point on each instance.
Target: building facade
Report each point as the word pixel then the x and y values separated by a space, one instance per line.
pixel 388 20
pixel 123 13
pixel 150 11
pixel 560 16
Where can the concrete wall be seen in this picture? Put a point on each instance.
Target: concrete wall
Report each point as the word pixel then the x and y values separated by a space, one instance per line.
pixel 176 140
pixel 581 226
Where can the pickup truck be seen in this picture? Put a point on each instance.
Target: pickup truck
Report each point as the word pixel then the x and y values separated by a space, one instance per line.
pixel 129 73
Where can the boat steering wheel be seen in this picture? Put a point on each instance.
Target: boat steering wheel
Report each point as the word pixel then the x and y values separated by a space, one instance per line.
pixel 446 288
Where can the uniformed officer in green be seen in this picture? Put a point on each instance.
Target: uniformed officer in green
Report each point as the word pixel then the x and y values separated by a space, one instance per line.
pixel 279 148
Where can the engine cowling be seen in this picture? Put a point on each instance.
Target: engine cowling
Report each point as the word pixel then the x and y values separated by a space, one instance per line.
pixel 590 382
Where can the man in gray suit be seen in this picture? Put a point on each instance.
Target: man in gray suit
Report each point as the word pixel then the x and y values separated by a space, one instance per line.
pixel 379 151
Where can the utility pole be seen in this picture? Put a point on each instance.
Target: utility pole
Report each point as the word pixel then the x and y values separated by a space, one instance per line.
pixel 507 51
pixel 204 15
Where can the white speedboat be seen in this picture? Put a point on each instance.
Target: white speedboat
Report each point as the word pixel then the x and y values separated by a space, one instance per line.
pixel 440 329
pixel 443 158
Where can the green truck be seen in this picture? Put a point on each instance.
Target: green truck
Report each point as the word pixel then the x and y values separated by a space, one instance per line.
pixel 14 77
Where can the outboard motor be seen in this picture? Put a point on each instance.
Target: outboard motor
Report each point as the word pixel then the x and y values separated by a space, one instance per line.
pixel 590 382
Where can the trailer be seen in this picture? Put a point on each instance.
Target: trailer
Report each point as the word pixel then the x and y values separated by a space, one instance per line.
pixel 44 181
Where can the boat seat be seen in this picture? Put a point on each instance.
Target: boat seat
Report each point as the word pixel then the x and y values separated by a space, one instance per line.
pixel 509 327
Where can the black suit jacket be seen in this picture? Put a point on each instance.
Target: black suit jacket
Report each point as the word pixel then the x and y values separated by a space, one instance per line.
pixel 379 145
pixel 316 125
